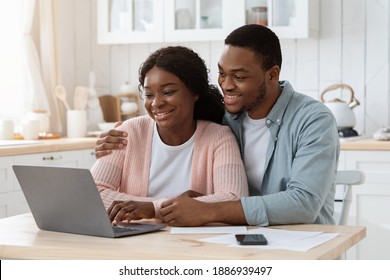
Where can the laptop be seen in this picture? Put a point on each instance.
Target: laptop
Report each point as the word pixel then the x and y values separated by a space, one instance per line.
pixel 67 200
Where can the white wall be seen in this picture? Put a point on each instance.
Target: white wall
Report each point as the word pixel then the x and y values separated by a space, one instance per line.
pixel 353 48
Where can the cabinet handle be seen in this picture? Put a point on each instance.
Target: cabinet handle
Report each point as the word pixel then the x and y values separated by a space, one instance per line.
pixel 93 153
pixel 52 158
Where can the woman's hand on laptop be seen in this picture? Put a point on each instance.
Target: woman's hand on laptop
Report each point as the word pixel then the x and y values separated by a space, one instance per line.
pixel 125 211
pixel 110 140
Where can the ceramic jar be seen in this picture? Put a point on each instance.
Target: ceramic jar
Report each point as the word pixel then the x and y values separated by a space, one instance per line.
pixel 6 129
pixel 43 117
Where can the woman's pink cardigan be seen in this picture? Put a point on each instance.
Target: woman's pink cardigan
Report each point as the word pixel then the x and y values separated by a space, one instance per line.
pixel 217 168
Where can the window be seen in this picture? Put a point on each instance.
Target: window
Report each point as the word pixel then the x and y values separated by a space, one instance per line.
pixel 12 101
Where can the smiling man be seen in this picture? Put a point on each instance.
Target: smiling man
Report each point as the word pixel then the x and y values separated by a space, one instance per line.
pixel 288 141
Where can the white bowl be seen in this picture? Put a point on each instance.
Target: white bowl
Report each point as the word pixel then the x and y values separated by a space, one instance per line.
pixel 106 126
pixel 129 107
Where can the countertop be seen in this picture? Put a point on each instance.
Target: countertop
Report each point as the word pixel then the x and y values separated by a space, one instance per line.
pixel 21 239
pixel 68 144
pixel 42 146
pixel 365 144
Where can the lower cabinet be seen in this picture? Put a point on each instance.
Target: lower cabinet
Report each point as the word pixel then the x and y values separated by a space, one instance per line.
pixel 370 205
pixel 12 201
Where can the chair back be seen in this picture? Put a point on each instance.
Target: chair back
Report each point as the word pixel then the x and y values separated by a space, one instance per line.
pixel 347 179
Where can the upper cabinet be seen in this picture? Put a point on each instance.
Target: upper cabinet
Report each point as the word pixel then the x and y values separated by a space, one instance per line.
pixel 147 21
pixel 130 21
pixel 198 20
pixel 287 18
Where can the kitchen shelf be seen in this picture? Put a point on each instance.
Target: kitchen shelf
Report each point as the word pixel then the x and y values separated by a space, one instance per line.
pixel 127 98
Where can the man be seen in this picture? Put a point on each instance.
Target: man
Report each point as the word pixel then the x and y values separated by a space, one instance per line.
pixel 289 142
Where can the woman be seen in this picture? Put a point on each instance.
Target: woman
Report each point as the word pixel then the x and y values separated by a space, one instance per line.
pixel 180 148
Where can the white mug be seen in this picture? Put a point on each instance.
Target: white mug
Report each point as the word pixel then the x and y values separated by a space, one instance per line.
pixel 31 129
pixel 6 130
pixel 76 122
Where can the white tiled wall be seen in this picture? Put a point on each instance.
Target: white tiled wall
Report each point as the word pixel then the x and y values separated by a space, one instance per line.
pixel 353 48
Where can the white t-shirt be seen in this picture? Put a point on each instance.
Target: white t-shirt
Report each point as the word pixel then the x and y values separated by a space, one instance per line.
pixel 170 168
pixel 256 138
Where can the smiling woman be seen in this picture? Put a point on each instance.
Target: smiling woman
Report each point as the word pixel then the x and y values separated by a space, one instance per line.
pixel 180 148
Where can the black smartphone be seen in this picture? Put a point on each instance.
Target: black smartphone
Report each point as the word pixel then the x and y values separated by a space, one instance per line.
pixel 251 239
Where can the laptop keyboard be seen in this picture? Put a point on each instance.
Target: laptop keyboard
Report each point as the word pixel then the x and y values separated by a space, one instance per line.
pixel 123 229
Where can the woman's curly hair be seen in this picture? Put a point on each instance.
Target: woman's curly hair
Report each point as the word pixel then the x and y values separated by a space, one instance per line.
pixel 191 69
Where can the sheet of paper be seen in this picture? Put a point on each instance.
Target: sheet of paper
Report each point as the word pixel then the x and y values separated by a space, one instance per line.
pixel 279 239
pixel 209 230
pixel 305 244
pixel 277 236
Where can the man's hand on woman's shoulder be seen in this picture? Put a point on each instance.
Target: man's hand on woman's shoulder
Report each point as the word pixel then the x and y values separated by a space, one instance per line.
pixel 110 140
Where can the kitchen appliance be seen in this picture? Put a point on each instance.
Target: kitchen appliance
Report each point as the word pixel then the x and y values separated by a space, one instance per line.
pixel 342 110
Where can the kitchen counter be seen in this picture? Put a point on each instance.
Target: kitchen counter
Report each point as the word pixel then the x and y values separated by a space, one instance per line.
pixel 43 146
pixel 21 239
pixel 67 144
pixel 367 144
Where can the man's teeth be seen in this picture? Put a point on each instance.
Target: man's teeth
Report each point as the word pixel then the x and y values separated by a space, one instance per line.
pixel 232 96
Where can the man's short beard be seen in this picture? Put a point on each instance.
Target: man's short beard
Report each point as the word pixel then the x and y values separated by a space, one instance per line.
pixel 260 98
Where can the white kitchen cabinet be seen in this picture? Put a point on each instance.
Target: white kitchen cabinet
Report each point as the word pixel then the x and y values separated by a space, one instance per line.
pixel 130 21
pixel 12 201
pixel 76 158
pixel 6 204
pixel 370 205
pixel 147 21
pixel 199 20
pixel 287 18
pixel 6 174
pixel 6 187
pixel 87 158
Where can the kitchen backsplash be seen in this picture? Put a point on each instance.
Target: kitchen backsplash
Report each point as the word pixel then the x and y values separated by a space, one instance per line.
pixel 353 48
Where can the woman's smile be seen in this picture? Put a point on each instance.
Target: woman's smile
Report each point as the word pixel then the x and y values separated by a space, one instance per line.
pixel 162 115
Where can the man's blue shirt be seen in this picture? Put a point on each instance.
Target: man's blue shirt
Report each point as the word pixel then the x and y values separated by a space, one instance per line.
pixel 300 165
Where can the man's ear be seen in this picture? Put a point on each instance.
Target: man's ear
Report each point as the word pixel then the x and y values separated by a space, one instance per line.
pixel 274 73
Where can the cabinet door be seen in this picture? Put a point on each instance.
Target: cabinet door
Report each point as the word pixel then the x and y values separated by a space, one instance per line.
pixel 370 205
pixel 287 18
pixel 87 158
pixel 6 187
pixel 6 174
pixel 6 205
pixel 130 21
pixel 198 20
